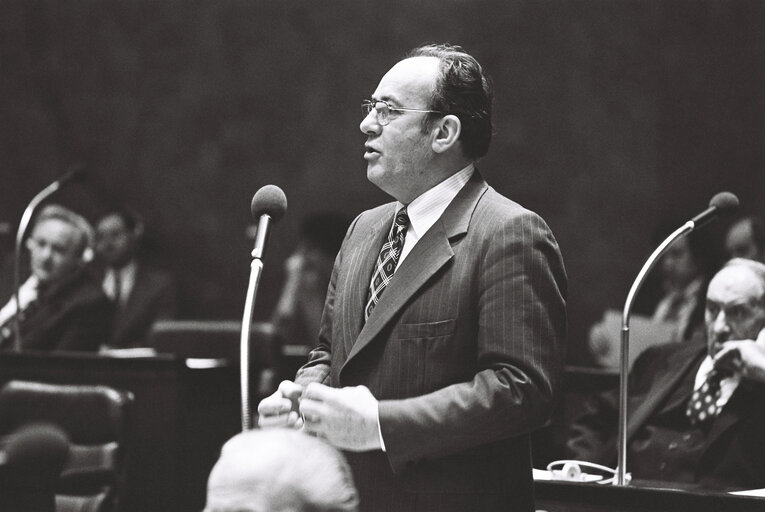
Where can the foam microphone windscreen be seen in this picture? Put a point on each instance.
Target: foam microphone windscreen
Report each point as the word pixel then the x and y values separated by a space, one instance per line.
pixel 269 200
pixel 724 201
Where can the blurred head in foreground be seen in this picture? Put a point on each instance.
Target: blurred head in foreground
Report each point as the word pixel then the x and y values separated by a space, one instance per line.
pixel 279 470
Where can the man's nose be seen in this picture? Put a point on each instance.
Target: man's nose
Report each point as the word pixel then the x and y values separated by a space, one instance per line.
pixel 369 125
pixel 720 323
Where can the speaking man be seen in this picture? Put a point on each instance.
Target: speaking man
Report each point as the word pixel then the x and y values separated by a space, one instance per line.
pixel 443 330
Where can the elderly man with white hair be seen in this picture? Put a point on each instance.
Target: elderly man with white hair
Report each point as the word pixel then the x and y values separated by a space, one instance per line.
pixel 62 306
pixel 695 410
pixel 280 470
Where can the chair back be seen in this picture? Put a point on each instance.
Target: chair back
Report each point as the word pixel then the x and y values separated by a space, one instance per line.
pixel 97 420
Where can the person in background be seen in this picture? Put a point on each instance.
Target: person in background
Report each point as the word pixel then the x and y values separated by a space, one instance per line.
pixel 62 305
pixel 280 470
pixel 297 316
pixel 141 293
pixel 746 239
pixel 695 410
pixel 443 333
pixel 685 269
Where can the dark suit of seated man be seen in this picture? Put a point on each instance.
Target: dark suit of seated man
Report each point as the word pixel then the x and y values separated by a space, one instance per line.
pixel 675 432
pixel 141 294
pixel 62 305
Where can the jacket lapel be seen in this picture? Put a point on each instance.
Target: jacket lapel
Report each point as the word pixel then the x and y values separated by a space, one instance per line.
pixel 430 253
pixel 683 361
pixel 361 262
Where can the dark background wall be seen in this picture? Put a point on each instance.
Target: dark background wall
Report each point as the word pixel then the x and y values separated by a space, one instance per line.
pixel 610 117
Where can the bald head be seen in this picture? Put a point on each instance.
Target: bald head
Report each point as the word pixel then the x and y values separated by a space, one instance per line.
pixel 279 470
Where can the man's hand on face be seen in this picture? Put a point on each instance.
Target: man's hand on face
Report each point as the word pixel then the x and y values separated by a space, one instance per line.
pixel 281 408
pixel 344 417
pixel 743 357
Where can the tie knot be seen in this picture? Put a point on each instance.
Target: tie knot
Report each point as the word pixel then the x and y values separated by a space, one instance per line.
pixel 402 218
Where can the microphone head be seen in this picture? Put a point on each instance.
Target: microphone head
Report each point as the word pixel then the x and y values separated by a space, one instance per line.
pixel 269 200
pixel 724 201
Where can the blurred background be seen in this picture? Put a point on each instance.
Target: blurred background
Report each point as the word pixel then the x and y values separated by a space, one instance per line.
pixel 610 118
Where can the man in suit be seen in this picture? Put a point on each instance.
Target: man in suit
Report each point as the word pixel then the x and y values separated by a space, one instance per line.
pixel 432 383
pixel 695 411
pixel 141 293
pixel 62 306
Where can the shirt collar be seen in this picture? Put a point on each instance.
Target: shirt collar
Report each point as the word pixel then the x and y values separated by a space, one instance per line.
pixel 428 207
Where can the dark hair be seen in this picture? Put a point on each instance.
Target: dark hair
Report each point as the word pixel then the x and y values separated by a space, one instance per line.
pixel 462 90
pixel 132 219
pixel 758 229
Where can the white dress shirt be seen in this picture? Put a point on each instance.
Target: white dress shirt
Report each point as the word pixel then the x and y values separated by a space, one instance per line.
pixel 428 207
pixel 126 282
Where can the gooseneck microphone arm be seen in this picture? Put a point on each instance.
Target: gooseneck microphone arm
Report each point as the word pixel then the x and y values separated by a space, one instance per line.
pixel 624 359
pixel 720 203
pixel 75 173
pixel 268 205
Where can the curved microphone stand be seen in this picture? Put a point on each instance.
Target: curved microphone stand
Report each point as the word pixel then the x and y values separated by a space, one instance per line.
pixel 623 356
pixel 256 268
pixel 26 217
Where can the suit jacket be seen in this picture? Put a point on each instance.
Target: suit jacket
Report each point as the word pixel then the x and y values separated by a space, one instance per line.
pixel 463 351
pixel 153 297
pixel 72 314
pixel 733 454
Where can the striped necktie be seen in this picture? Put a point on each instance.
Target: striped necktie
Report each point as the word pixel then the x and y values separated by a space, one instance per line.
pixel 387 260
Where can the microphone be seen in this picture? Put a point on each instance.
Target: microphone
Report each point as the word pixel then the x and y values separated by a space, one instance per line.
pixel 268 205
pixel 721 203
pixel 74 174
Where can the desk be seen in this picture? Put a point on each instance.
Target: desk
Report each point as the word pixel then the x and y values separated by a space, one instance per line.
pixel 181 417
pixel 556 496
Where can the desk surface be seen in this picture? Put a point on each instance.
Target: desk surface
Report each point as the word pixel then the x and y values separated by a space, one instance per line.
pixel 557 496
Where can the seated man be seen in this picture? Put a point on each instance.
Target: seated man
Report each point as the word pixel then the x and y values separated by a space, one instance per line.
pixel 280 470
pixel 62 306
pixel 696 414
pixel 141 293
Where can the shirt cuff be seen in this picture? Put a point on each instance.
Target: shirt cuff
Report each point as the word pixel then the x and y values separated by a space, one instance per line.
pixel 379 428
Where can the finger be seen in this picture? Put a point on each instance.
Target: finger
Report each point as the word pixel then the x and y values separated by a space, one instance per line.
pixel 319 392
pixel 761 338
pixel 274 406
pixel 290 390
pixel 313 411
pixel 281 420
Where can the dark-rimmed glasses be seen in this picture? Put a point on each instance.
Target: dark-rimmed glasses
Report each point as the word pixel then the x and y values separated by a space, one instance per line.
pixel 383 109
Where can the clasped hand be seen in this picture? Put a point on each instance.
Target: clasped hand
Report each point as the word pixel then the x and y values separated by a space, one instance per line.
pixel 345 417
pixel 743 357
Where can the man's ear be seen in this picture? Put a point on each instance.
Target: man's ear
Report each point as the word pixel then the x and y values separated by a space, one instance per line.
pixel 448 132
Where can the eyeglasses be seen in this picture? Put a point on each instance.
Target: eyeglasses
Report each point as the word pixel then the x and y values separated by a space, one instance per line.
pixel 383 109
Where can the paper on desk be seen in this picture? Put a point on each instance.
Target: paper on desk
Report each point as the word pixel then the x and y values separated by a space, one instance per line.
pixel 750 492
pixel 644 333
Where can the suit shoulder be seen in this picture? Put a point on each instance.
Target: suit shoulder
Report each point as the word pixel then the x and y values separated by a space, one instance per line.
pixel 494 209
pixel 371 218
